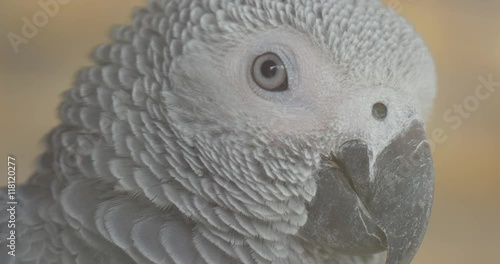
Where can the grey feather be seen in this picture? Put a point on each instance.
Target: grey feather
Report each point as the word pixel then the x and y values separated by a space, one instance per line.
pixel 159 158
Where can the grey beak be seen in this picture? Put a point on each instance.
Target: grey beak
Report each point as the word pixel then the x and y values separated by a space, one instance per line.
pixel 396 191
pixel 366 203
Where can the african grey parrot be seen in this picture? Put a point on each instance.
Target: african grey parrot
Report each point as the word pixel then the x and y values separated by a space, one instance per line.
pixel 244 131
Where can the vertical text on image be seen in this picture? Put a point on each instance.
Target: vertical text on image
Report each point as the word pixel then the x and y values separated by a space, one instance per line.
pixel 11 204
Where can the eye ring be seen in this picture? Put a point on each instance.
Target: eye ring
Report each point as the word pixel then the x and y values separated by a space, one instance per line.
pixel 269 72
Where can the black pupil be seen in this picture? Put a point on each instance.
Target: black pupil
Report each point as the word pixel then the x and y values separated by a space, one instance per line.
pixel 268 68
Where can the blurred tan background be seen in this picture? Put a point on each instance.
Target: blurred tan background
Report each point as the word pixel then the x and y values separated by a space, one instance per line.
pixel 463 35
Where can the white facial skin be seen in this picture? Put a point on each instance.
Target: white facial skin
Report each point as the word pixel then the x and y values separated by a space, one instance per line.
pixel 321 99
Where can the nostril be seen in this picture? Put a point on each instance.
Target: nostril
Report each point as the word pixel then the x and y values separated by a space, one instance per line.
pixel 379 111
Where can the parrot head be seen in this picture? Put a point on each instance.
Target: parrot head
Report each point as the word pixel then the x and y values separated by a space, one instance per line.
pixel 305 118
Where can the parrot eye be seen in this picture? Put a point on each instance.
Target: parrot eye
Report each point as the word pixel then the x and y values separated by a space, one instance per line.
pixel 269 72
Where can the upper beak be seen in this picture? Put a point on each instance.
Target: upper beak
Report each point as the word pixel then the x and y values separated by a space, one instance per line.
pixel 397 190
pixel 371 202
